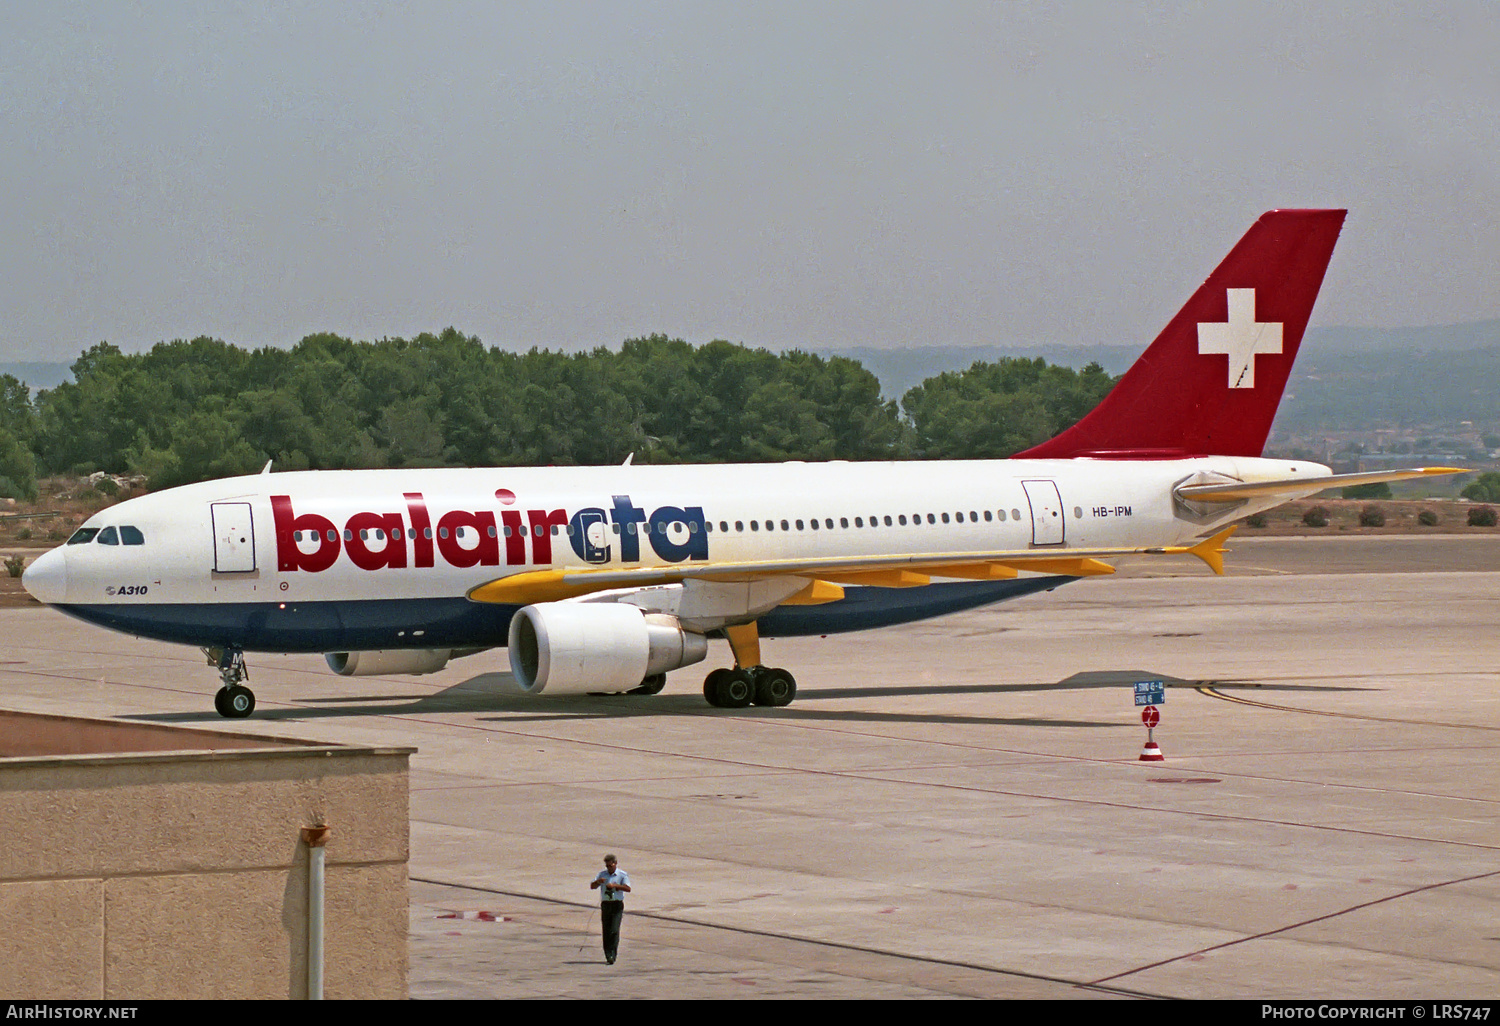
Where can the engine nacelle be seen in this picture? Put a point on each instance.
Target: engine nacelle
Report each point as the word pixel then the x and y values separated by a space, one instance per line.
pixel 400 660
pixel 569 648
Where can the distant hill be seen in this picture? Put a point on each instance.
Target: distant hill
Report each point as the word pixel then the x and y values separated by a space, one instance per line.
pixel 1351 390
pixel 39 375
pixel 1432 339
pixel 1344 378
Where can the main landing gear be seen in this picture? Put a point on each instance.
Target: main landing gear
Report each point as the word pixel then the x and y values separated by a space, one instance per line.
pixel 749 682
pixel 758 685
pixel 233 700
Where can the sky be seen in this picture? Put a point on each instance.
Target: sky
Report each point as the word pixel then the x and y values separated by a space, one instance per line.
pixel 818 175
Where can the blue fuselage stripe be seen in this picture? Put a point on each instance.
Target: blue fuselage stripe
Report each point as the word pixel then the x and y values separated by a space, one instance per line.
pixel 368 624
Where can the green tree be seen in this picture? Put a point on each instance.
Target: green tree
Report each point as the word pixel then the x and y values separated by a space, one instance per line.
pixel 17 468
pixel 1486 489
pixel 199 447
pixel 993 410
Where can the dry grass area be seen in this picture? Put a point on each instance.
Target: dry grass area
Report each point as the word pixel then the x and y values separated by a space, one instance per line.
pixel 1343 517
pixel 30 528
pixel 62 504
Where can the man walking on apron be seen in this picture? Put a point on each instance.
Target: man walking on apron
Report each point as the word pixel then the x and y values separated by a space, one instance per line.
pixel 616 883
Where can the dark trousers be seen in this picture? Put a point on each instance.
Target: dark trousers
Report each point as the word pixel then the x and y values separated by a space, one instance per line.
pixel 610 914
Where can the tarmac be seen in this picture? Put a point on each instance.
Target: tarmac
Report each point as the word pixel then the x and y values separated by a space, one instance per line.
pixel 954 808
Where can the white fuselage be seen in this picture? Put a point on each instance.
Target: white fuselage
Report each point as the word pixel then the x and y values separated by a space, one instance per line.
pixel 271 545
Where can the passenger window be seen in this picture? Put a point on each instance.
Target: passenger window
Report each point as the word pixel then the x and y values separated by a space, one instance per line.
pixel 83 535
pixel 132 536
pixel 109 536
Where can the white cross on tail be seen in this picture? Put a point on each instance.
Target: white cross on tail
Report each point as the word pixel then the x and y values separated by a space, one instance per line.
pixel 1241 338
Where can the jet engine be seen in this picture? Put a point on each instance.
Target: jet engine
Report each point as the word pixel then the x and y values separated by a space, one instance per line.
pixel 568 648
pixel 408 660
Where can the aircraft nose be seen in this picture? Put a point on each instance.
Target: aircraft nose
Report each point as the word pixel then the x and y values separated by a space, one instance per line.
pixel 47 578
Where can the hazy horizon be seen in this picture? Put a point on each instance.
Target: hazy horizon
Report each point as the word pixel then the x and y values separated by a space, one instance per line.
pixel 820 176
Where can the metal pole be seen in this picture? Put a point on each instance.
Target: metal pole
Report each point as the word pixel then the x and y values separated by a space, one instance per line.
pixel 315 838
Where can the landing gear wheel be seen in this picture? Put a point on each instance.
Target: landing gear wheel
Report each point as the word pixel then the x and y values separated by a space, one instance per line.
pixel 737 689
pixel 774 687
pixel 712 685
pixel 234 702
pixel 652 685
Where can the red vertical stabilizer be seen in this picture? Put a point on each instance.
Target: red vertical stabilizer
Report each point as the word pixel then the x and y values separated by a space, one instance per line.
pixel 1210 383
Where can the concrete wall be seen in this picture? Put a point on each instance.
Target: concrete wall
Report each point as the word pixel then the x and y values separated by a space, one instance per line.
pixel 183 874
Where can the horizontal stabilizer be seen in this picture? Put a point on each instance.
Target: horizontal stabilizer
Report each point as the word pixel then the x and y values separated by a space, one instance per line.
pixel 1210 550
pixel 1234 491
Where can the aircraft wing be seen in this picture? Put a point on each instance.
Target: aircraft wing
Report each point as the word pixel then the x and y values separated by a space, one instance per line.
pixel 889 571
pixel 1233 491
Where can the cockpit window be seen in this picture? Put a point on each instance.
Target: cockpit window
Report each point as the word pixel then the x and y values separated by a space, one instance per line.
pixel 109 536
pixel 83 535
pixel 132 535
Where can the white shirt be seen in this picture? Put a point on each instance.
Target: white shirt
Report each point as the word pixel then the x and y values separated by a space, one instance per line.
pixel 608 880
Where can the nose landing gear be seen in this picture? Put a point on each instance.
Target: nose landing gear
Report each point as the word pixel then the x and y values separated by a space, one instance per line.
pixel 233 700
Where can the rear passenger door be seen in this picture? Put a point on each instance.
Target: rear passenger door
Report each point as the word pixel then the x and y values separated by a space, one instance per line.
pixel 1046 512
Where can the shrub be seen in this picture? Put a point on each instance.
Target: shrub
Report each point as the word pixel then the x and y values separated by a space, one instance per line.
pixel 24 534
pixel 56 535
pixel 14 565
pixel 1482 516
pixel 1378 490
pixel 1317 516
pixel 1371 516
pixel 1485 489
pixel 1256 520
pixel 1427 518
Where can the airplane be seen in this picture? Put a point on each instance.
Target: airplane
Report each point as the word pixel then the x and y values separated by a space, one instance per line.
pixel 604 579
